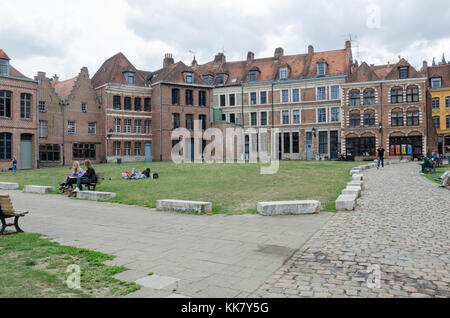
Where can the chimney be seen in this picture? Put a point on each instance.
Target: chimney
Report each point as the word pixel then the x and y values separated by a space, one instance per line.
pixel 168 60
pixel 55 79
pixel 310 49
pixel 279 52
pixel 250 56
pixel 220 58
pixel 348 45
pixel 425 67
pixel 194 62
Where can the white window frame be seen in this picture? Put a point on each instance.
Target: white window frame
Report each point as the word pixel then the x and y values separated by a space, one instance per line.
pixel 127 128
pixel 281 96
pixel 281 72
pixel 267 118
pixel 72 131
pixel 326 115
pixel 436 79
pixel 250 98
pixel 282 117
pixel 338 92
pixel 299 95
pixel 43 128
pixel 339 115
pixel 260 99
pixel 89 128
pixel 317 93
pixel 257 118
pixel 319 64
pixel 299 117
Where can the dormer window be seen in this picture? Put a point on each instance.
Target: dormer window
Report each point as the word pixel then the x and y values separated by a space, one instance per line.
pixel 129 76
pixel 207 79
pixel 284 73
pixel 403 71
pixel 189 77
pixel 220 79
pixel 4 67
pixel 321 69
pixel 436 82
pixel 253 76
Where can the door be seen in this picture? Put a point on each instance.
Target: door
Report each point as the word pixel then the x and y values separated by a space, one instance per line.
pixel 26 152
pixel 280 149
pixel 309 145
pixel 148 152
pixel 247 147
pixel 334 145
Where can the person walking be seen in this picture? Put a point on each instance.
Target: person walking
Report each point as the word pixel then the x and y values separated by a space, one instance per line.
pixel 14 165
pixel 380 152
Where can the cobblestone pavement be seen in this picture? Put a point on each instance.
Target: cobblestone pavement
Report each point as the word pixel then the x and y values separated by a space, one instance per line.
pixel 401 225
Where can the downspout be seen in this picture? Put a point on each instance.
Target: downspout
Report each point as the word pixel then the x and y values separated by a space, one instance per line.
pixel 106 124
pixel 242 105
pixel 381 115
pixel 37 127
pixel 160 123
pixel 272 108
pixel 62 103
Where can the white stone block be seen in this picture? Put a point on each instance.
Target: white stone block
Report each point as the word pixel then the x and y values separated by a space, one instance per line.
pixel 184 206
pixel 8 186
pixel 352 172
pixel 38 189
pixel 357 177
pixel 95 196
pixel 346 203
pixel 352 191
pixel 288 207
pixel 356 183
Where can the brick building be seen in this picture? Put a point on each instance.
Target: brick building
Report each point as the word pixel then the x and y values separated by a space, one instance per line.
pixel 18 117
pixel 71 121
pixel 300 95
pixel 387 105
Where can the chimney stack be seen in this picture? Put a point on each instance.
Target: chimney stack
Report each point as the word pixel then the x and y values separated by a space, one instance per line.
pixel 425 67
pixel 278 52
pixel 348 44
pixel 310 49
pixel 250 57
pixel 220 58
pixel 168 60
pixel 55 79
pixel 194 62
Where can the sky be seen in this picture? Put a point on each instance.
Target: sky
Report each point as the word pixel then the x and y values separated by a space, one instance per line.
pixel 60 37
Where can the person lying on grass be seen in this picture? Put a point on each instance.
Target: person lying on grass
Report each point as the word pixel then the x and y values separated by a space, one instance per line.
pixel 445 178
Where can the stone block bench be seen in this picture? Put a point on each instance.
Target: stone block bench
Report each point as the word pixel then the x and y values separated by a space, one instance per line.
pixel 38 189
pixel 352 172
pixel 95 196
pixel 357 177
pixel 356 183
pixel 352 191
pixel 184 206
pixel 346 202
pixel 288 207
pixel 8 186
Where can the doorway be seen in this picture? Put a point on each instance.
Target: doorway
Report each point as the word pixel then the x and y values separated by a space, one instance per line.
pixel 148 152
pixel 309 145
pixel 26 152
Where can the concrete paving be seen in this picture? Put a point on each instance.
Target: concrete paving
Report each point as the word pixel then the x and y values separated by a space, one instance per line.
pixel 205 256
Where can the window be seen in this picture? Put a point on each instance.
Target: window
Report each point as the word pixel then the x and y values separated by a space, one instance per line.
pixel 25 106
pixel 83 107
pixel 437 122
pixel 285 117
pixel 253 76
pixel 137 148
pixel 355 120
pixel 137 104
pixel 189 121
pixel 43 129
pixel 232 118
pixel 207 78
pixel 175 96
pixel 436 82
pixel 322 115
pixel 220 79
pixel 295 142
pixel 127 103
pixel 435 103
pixel 335 114
pixel 189 97
pixel 148 127
pixel 369 119
pixel 148 104
pixel 117 125
pixel 254 119
pixel 5 146
pixel 323 142
pixel 138 126
pixel 127 126
pixel 116 148
pixel 5 104
pixel 295 95
pixel 83 151
pixel 355 98
pixel 202 119
pixel 284 73
pixel 447 122
pixel 369 97
pixel 175 121
pixel 335 92
pixel 202 98
pixel 71 127
pixel 224 117
pixel 396 95
pixel 232 99
pixel 321 93
pixel 287 142
pixel 263 118
pixel 116 102
pixel 411 145
pixel 92 128
pixel 397 119
pixel 403 72
pixel 222 100
pixel 412 94
pixel 49 153
pixel 127 148
pixel 412 118
pixel 321 69
pixel 189 77
pixel 296 116
pixel 4 67
pixel 253 98
pixel 42 106
pixel 447 102
pixel 129 76
pixel 285 96
pixel 362 147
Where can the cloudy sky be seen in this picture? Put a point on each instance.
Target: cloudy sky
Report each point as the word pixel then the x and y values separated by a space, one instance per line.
pixel 59 37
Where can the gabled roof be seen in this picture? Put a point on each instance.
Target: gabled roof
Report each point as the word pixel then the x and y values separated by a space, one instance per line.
pixel 3 55
pixel 442 71
pixel 364 73
pixel 14 72
pixel 112 72
pixel 64 88
pixel 175 73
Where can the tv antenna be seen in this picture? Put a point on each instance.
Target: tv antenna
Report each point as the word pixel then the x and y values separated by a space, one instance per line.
pixel 353 38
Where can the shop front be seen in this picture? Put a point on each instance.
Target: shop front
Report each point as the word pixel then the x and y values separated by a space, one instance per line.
pixel 401 146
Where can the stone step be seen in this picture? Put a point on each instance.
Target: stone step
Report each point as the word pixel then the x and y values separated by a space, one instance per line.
pixel 288 207
pixel 184 206
pixel 346 203
pixel 95 195
pixel 38 189
pixel 8 186
pixel 357 177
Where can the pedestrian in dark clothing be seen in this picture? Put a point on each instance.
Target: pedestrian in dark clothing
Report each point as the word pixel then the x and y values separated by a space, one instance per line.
pixel 380 152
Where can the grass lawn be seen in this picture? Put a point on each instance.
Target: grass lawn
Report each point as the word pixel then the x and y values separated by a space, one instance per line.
pixel 439 172
pixel 35 267
pixel 232 188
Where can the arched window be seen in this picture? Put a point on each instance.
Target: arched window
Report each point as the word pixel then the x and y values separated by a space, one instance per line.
pixel 396 95
pixel 5 146
pixel 5 104
pixel 355 98
pixel 355 120
pixel 369 97
pixel 369 119
pixel 412 94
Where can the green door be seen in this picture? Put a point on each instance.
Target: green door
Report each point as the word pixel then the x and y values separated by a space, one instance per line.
pixel 26 152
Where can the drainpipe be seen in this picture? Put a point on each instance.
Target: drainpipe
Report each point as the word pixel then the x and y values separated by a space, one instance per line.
pixel 106 124
pixel 160 123
pixel 37 127
pixel 242 105
pixel 381 115
pixel 62 103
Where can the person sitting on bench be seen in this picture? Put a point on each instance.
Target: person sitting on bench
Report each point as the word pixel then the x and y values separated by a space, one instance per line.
pixel 445 178
pixel 88 178
pixel 72 179
pixel 426 164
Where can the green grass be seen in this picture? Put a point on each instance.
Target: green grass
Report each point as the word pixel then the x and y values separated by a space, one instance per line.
pixel 439 172
pixel 32 266
pixel 232 188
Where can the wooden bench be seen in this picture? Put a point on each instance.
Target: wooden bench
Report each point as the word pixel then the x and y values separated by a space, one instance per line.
pixel 100 178
pixel 7 211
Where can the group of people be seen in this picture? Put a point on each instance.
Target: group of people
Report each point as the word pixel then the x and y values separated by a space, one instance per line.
pixel 430 163
pixel 80 177
pixel 134 175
